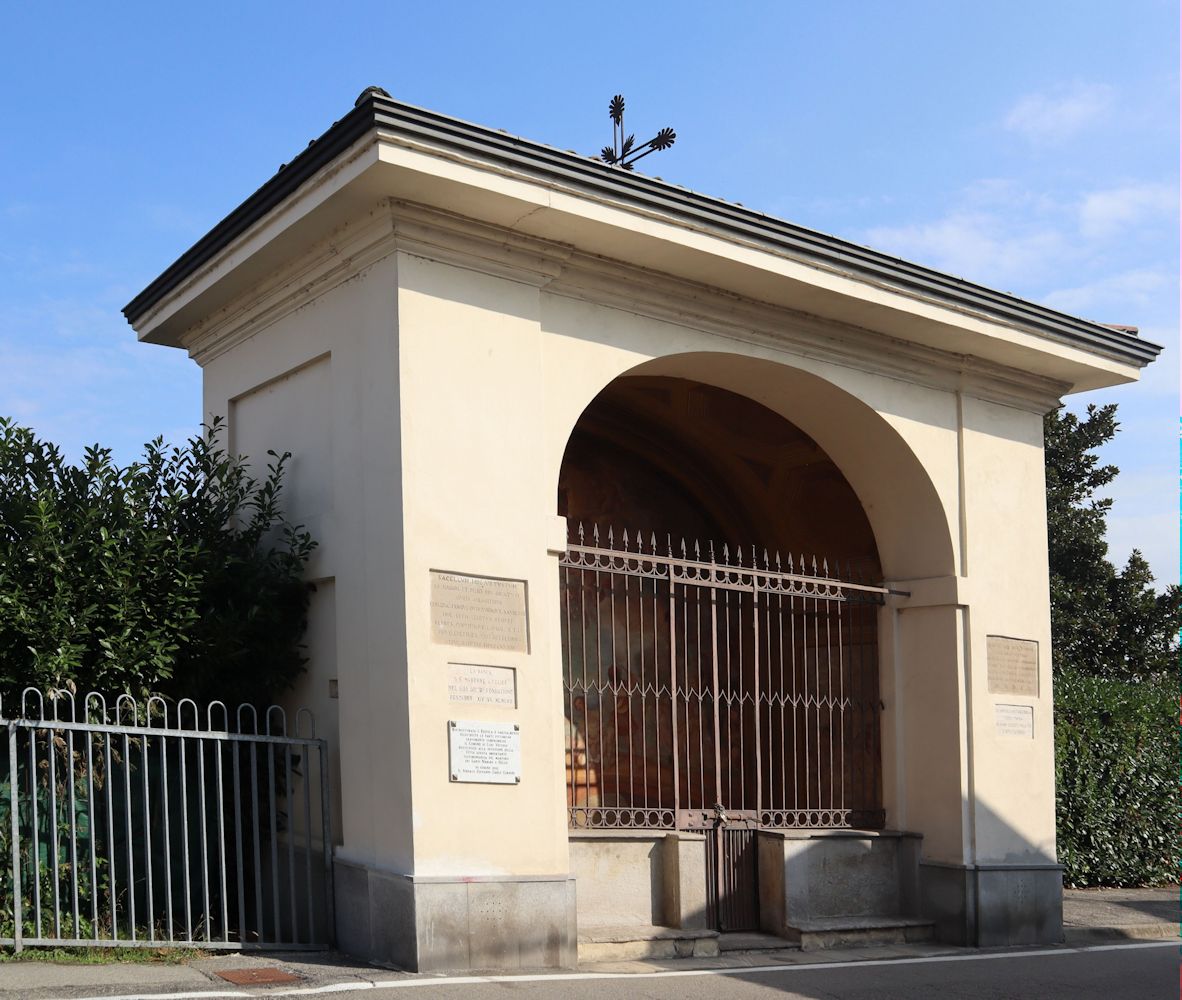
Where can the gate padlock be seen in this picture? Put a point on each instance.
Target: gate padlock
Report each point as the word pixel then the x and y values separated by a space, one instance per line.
pixel 720 813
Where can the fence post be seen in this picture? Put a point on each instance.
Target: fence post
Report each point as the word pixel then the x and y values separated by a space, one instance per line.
pixel 326 841
pixel 14 821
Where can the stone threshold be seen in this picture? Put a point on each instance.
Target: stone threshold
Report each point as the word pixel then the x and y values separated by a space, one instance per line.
pixel 603 934
pixel 746 942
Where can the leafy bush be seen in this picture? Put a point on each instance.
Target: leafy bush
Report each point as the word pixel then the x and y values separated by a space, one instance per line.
pixel 1116 763
pixel 177 575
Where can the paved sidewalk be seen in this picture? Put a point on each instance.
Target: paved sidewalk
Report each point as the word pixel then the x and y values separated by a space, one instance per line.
pixel 1090 916
pixel 45 980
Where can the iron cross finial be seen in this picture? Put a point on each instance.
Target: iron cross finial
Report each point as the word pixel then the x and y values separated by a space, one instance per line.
pixel 623 152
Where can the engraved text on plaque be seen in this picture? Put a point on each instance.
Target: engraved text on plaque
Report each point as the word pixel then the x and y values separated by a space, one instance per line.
pixel 487 752
pixel 1014 720
pixel 479 612
pixel 1013 666
pixel 476 684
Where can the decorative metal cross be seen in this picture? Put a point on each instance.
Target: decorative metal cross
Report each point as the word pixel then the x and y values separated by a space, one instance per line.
pixel 623 152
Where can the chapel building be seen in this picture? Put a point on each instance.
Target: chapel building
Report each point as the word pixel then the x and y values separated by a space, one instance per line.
pixel 681 571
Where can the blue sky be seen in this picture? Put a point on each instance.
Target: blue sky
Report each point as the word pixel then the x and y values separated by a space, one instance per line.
pixel 1030 146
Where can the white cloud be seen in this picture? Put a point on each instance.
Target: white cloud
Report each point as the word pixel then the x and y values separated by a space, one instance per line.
pixel 1059 115
pixel 1112 212
pixel 984 247
pixel 1002 233
pixel 1009 194
pixel 1124 292
pixel 1161 378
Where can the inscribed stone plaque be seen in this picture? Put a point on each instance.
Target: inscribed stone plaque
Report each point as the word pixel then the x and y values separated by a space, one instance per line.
pixel 1014 720
pixel 478 611
pixel 1013 665
pixel 487 752
pixel 477 684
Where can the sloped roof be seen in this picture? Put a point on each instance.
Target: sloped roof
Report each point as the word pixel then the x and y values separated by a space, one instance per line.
pixel 375 110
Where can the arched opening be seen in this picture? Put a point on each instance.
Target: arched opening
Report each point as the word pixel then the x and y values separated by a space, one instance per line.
pixel 680 458
pixel 719 627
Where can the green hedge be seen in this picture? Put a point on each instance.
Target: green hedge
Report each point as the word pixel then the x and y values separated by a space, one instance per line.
pixel 1116 770
pixel 177 575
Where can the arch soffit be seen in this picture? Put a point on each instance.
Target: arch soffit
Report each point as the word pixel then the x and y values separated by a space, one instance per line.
pixel 910 523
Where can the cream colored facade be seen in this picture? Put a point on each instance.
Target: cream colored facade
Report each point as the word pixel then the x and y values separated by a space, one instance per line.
pixel 422 328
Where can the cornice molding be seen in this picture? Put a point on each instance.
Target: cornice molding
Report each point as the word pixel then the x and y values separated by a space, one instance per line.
pixel 748 321
pixel 758 245
pixel 344 255
pixel 558 269
pixel 476 246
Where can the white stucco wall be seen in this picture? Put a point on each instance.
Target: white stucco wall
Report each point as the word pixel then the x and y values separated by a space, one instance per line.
pixel 322 383
pixel 428 405
pixel 1005 500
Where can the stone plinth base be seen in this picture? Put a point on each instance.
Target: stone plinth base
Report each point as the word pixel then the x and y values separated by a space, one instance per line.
pixel 640 878
pixel 810 875
pixel 993 905
pixel 451 924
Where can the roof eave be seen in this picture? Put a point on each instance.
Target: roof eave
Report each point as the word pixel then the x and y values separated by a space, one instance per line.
pixel 545 164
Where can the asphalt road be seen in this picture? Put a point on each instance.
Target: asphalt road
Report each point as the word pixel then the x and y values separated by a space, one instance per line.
pixel 1138 973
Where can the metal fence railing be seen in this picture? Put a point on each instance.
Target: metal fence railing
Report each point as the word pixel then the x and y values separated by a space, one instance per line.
pixel 157 825
pixel 700 682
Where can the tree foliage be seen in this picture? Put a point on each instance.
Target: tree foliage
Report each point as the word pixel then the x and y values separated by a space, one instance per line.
pixel 176 575
pixel 1104 622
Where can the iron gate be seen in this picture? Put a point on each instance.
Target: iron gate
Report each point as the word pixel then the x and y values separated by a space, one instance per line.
pixel 150 825
pixel 720 691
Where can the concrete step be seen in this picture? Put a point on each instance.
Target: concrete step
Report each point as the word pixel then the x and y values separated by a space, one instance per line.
pixel 618 943
pixel 750 942
pixel 858 931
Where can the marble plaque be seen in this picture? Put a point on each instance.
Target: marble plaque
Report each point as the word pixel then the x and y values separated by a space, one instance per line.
pixel 1013 665
pixel 479 612
pixel 478 684
pixel 486 752
pixel 1014 720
